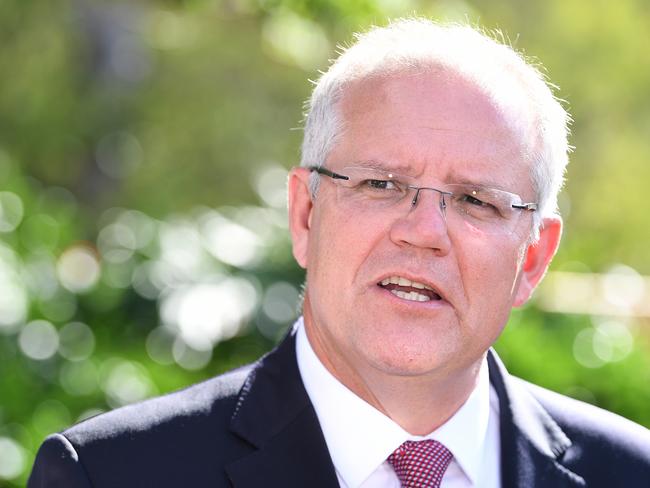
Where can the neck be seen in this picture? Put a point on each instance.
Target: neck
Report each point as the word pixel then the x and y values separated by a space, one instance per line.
pixel 421 404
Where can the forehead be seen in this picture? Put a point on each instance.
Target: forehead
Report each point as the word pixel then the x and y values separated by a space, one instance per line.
pixel 436 122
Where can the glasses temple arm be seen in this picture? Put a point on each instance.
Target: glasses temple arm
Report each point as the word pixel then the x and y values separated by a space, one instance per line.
pixel 525 206
pixel 324 171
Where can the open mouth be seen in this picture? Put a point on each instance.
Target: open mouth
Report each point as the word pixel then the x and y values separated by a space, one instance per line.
pixel 409 290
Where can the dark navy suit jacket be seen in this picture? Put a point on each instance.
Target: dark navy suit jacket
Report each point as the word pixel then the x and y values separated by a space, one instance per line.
pixel 255 427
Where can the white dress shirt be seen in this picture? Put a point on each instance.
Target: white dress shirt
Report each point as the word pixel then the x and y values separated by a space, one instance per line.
pixel 360 438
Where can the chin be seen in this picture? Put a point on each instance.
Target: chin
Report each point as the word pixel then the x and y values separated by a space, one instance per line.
pixel 410 361
pixel 411 349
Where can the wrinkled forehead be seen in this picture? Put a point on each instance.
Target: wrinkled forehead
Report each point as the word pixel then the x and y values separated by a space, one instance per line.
pixel 506 95
pixel 447 106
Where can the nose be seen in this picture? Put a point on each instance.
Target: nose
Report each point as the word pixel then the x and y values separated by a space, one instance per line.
pixel 424 225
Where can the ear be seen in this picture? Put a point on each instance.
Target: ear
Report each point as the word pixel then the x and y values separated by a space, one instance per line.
pixel 300 207
pixel 538 257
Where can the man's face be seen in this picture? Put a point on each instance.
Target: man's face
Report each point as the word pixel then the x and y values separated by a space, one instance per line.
pixel 441 130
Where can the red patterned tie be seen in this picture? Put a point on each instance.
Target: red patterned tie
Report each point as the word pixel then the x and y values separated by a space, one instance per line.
pixel 420 464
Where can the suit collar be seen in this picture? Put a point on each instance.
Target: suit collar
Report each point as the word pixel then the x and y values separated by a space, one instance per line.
pixel 532 443
pixel 275 416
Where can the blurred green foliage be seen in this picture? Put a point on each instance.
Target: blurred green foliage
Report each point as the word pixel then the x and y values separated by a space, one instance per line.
pixel 143 152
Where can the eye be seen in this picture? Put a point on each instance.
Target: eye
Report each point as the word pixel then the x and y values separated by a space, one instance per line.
pixel 478 204
pixel 376 185
pixel 381 184
pixel 472 200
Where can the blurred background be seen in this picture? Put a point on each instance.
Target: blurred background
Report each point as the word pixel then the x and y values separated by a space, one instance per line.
pixel 144 147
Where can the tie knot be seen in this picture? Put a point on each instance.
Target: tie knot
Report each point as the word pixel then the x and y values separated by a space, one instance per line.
pixel 420 463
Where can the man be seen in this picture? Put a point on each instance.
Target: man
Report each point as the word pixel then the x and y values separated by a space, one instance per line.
pixel 424 210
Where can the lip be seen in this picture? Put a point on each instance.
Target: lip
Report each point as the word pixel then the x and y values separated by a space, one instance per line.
pixel 407 306
pixel 413 277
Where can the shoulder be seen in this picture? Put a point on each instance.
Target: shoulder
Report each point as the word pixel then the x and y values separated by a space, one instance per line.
pixel 178 439
pixel 596 435
pixel 190 407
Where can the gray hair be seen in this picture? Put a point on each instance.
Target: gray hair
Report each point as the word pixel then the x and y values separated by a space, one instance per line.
pixel 495 67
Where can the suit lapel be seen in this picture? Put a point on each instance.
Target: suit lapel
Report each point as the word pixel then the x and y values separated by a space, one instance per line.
pixel 275 416
pixel 532 444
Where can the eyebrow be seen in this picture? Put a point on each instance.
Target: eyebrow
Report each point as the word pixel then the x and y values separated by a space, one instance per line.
pixel 482 184
pixel 408 170
pixel 485 182
pixel 405 169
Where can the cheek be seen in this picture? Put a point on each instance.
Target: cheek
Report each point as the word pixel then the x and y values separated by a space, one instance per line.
pixel 489 271
pixel 340 244
pixel 343 242
pixel 489 278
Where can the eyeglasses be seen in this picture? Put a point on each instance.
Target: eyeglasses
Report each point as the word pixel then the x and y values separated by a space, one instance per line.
pixel 489 210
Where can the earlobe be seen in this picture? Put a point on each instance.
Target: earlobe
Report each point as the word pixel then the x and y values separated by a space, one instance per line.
pixel 538 258
pixel 300 207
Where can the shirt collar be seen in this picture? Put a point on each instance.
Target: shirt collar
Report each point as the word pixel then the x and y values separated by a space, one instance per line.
pixel 360 438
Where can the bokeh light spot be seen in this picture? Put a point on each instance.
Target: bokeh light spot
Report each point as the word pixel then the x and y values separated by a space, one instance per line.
pixel 142 283
pixel 38 340
pixel 13 296
pixel 79 378
pixel 596 346
pixel 78 268
pixel 280 302
pixel 271 185
pixel 116 242
pixel 188 357
pixel 583 349
pixel 295 39
pixel 231 242
pixel 612 341
pixel 160 342
pixel 623 286
pixel 76 341
pixel 117 275
pixel 39 274
pixel 12 458
pixel 11 211
pixel 181 254
pixel 207 313
pixel 125 382
pixel 60 307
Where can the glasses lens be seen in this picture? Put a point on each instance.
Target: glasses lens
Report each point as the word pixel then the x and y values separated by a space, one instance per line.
pixel 373 188
pixel 485 209
pixel 488 209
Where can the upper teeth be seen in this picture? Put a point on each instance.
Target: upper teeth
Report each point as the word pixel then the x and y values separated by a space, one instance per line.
pixel 401 281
